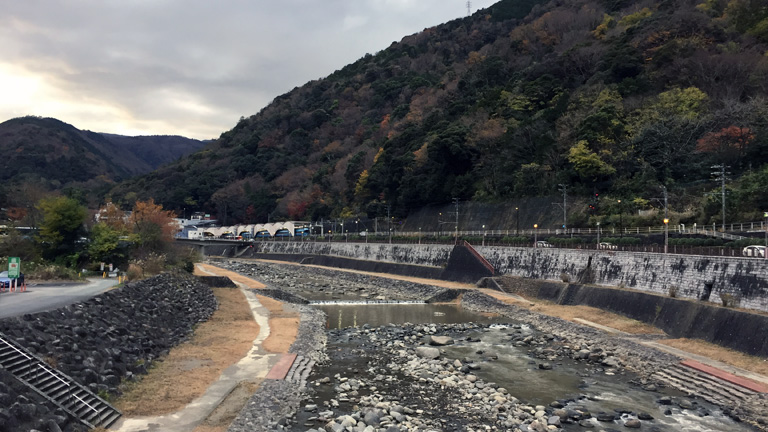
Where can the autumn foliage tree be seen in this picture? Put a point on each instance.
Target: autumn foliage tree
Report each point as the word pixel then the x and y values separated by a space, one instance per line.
pixel 154 227
pixel 729 144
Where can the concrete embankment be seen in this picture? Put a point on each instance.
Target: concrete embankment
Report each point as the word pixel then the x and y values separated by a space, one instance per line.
pixel 739 281
pixel 104 340
pixel 731 328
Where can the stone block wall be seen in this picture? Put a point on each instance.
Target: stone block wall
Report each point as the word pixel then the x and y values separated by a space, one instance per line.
pixel 690 276
pixel 428 255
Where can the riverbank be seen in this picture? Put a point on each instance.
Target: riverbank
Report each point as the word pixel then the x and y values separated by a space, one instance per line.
pixel 559 341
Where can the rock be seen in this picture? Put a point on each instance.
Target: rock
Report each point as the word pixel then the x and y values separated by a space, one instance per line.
pixel 685 404
pixel 644 416
pixel 428 352
pixel 310 408
pixel 545 366
pixel 632 423
pixel 666 400
pixel 440 340
pixel 553 421
pixel 611 362
pixel 605 417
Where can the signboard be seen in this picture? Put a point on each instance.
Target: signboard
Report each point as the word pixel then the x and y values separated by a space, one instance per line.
pixel 14 267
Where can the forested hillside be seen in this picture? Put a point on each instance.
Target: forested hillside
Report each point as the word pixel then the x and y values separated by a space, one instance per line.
pixel 603 96
pixel 41 155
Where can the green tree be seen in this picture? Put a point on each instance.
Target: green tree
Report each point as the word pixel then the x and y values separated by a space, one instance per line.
pixel 109 245
pixel 61 228
pixel 587 163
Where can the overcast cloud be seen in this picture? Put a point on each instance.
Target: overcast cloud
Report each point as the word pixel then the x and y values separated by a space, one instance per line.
pixel 186 67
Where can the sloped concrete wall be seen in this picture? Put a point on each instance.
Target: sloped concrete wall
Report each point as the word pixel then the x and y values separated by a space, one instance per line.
pixel 428 255
pixel 692 276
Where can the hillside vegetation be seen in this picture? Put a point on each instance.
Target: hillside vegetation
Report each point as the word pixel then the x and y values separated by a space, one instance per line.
pixel 611 97
pixel 42 155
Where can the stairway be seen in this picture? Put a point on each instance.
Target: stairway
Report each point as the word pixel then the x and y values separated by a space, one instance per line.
pixel 706 386
pixel 300 370
pixel 56 387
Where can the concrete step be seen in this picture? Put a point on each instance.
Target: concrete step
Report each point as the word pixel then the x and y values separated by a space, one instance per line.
pixel 708 387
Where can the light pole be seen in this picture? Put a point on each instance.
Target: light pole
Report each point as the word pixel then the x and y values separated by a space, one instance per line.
pixel 765 252
pixel 621 225
pixel 419 235
pixel 666 234
pixel 598 234
pixel 329 236
pixel 535 235
pixel 483 235
pixel 517 227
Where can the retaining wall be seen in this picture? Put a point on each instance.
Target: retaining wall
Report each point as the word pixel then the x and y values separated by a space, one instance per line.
pixel 691 276
pixel 745 280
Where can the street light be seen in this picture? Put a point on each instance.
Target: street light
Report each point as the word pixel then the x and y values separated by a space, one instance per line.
pixel 483 235
pixel 517 227
pixel 598 234
pixel 535 235
pixel 419 235
pixel 666 234
pixel 621 225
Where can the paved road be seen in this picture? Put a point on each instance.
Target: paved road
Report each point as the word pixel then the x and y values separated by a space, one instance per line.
pixel 39 298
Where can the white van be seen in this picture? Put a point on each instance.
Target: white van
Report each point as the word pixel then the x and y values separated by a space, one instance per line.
pixel 756 251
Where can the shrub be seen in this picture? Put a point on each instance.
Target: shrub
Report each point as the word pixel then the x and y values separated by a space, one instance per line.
pixel 673 291
pixel 729 300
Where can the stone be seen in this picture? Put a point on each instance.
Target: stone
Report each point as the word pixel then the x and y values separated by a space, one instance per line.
pixel 428 352
pixel 644 416
pixel 605 417
pixel 632 423
pixel 440 340
pixel 545 366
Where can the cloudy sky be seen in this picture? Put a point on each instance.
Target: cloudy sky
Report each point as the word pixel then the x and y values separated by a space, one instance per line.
pixel 186 67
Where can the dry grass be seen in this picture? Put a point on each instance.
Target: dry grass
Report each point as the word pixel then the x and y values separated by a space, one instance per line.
pixel 220 419
pixel 588 313
pixel 283 326
pixel 758 365
pixel 217 344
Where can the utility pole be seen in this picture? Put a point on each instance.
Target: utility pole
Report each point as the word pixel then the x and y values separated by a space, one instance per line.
pixel 456 201
pixel 564 189
pixel 389 223
pixel 469 8
pixel 721 177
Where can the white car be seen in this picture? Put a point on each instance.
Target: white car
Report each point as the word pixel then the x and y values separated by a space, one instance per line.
pixel 543 244
pixel 756 251
pixel 606 245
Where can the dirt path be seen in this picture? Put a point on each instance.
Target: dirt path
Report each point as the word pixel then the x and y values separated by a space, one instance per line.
pixel 216 344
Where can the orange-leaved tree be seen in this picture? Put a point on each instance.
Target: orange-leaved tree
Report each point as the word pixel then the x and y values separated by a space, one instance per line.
pixel 153 227
pixel 729 144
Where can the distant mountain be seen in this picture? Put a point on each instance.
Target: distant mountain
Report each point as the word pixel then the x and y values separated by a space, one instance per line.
pixel 605 97
pixel 53 155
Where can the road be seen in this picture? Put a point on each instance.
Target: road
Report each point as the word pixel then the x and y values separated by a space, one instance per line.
pixel 39 298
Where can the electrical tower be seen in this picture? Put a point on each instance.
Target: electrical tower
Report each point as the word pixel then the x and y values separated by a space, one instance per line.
pixel 469 8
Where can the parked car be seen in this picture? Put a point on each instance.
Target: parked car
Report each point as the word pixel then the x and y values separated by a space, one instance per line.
pixel 228 235
pixel 606 245
pixel 6 282
pixel 754 251
pixel 543 244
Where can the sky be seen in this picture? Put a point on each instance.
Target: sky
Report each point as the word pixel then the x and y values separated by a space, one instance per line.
pixel 187 67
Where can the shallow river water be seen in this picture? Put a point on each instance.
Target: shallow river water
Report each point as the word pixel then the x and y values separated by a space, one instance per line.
pixel 576 384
